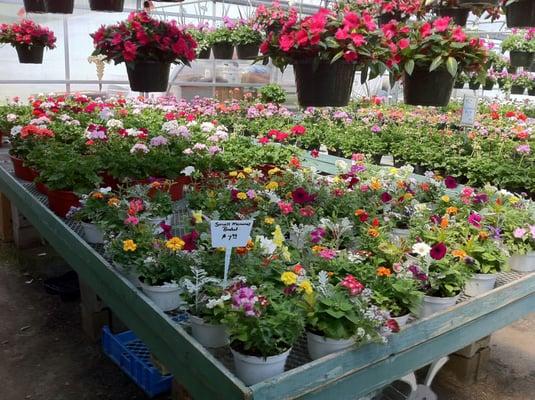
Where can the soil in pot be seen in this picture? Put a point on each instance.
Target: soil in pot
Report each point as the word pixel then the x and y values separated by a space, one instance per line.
pixel 107 5
pixel 61 201
pixel 30 54
pixel 204 54
pixel 424 88
pixel 517 89
pixel 520 14
pixel 521 59
pixel 59 6
pixel 327 85
pixel 247 51
pixel 21 171
pixel 223 51
pixel 148 76
pixel 459 15
pixel 35 6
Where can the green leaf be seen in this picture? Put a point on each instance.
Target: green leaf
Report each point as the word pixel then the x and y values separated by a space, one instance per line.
pixel 337 56
pixel 452 66
pixel 409 67
pixel 436 63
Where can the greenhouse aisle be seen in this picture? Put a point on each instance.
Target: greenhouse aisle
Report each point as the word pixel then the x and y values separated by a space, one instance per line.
pixel 45 355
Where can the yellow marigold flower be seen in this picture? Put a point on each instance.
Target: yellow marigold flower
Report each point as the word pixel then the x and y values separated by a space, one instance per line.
pixel 114 202
pixel 513 199
pixel 129 245
pixel 278 237
pixel 317 248
pixel 382 271
pixel 373 232
pixel 375 184
pixel 306 286
pixel 459 253
pixel 483 235
pixel 393 171
pixel 97 195
pixel 269 220
pixel 452 210
pixel 289 278
pixel 445 198
pixel 241 175
pixel 272 185
pixel 241 196
pixel 211 193
pixel 248 170
pixel 408 196
pixel 197 216
pixel 175 244
pixel 273 171
pixel 233 173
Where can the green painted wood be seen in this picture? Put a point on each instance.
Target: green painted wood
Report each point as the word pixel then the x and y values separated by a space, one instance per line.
pixel 203 375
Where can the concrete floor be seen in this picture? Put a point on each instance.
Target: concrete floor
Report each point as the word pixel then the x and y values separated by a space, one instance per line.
pixel 45 356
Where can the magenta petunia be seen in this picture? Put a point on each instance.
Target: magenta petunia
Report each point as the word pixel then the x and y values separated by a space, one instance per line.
pixel 450 182
pixel 438 251
pixel 386 197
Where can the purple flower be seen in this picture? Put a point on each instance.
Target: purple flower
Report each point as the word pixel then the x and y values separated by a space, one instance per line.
pixel 523 149
pixel 158 141
pixel 480 198
pixel 438 251
pixel 435 219
pixel 450 182
pixel 376 128
pixel 245 299
pixel 475 220
pixel 317 235
pixel 418 273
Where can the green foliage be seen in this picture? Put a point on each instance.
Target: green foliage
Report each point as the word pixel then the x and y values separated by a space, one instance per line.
pixel 272 93
pixel 246 34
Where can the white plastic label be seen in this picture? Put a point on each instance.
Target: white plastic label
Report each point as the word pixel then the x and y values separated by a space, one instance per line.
pixel 231 233
pixel 469 111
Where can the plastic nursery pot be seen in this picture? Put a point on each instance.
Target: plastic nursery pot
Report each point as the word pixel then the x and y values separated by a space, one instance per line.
pixel 474 85
pixel 41 188
pixel 92 233
pixel 30 55
pixel 531 92
pixel 247 51
pixel 61 201
pixel 517 89
pixel 424 88
pixel 523 263
pixel 458 85
pixel 488 85
pixel 107 5
pixel 223 51
pixel 459 15
pixel 432 304
pixel 480 284
pixel 209 335
pixel 521 59
pixel 35 6
pixel 59 6
pixel 148 76
pixel 475 3
pixel 253 369
pixel 204 54
pixel 520 14
pixel 387 17
pixel 319 346
pixel 166 297
pixel 326 85
pixel 21 171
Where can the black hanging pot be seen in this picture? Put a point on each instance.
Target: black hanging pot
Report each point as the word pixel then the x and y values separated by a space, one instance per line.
pixel 424 88
pixel 531 92
pixel 521 58
pixel 474 85
pixel 458 85
pixel 488 85
pixel 459 15
pixel 204 54
pixel 532 68
pixel 148 76
pixel 520 14
pixel 511 70
pixel 515 89
pixel 107 5
pixel 247 51
pixel 35 6
pixel 59 6
pixel 223 51
pixel 387 17
pixel 323 84
pixel 478 3
pixel 30 54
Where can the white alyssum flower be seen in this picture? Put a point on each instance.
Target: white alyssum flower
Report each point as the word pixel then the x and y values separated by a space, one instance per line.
pixel 422 249
pixel 207 127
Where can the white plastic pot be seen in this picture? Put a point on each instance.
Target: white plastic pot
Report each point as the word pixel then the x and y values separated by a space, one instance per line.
pixel 402 321
pixel 432 304
pixel 129 274
pixel 479 284
pixel 208 335
pixel 251 369
pixel 92 233
pixel 523 263
pixel 166 297
pixel 319 346
pixel 155 222
pixel 400 233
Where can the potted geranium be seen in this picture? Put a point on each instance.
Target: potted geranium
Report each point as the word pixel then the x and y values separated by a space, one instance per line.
pixel 107 5
pixel 29 39
pixel 221 40
pixel 430 56
pixel 34 6
pixel 519 13
pixel 200 33
pixel 147 46
pixel 324 49
pixel 521 48
pixel 247 39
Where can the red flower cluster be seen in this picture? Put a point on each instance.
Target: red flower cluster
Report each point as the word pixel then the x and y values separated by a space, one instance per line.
pixel 32 130
pixel 353 285
pixel 143 38
pixel 27 33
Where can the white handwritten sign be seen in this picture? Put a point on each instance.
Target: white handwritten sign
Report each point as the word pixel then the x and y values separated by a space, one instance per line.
pixel 229 234
pixel 469 110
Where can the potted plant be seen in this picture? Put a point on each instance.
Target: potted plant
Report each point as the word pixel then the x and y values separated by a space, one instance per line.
pixel 521 48
pixel 518 228
pixel 263 324
pixel 399 10
pixel 474 83
pixel 147 46
pixel 519 82
pixel 490 80
pixel 29 39
pixel 272 93
pixel 59 6
pixel 106 5
pixel 34 6
pixel 221 40
pixel 430 55
pixel 531 88
pixel 452 9
pixel 23 141
pixel 200 33
pixel 247 40
pixel 460 80
pixel 324 49
pixel 519 13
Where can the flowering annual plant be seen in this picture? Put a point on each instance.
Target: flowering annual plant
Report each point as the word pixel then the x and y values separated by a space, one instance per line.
pixel 524 79
pixel 246 33
pixel 522 41
pixel 27 33
pixel 395 8
pixel 143 38
pixel 200 34
pixel 98 207
pixel 223 33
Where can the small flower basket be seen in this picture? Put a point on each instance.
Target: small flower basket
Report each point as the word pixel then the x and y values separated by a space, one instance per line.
pixel 59 6
pixel 459 15
pixel 520 13
pixel 34 6
pixel 29 39
pixel 106 5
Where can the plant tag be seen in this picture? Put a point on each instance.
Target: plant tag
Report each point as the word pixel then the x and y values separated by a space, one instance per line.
pixel 469 110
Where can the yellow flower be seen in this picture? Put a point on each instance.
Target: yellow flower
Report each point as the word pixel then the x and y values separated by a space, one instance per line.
pixel 286 254
pixel 289 278
pixel 248 170
pixel 269 220
pixel 375 184
pixel 337 179
pixel 241 196
pixel 459 253
pixel 241 175
pixel 129 245
pixel 317 248
pixel 233 173
pixel 197 216
pixel 408 196
pixel 278 237
pixel 452 210
pixel 272 185
pixel 445 198
pixel 114 202
pixel 175 244
pixel 306 286
pixel 273 171
pixel 513 199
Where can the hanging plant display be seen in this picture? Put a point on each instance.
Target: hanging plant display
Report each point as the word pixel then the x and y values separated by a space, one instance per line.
pixel 520 13
pixel 29 39
pixel 34 6
pixel 107 5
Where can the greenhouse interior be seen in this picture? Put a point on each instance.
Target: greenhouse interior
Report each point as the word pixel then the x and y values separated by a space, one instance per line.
pixel 267 200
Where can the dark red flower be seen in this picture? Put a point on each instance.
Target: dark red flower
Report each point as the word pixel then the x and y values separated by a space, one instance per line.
pixel 392 325
pixel 386 197
pixel 438 251
pixel 301 196
pixel 314 153
pixel 450 182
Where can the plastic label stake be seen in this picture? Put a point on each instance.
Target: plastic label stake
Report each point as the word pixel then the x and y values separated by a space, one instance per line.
pixel 469 110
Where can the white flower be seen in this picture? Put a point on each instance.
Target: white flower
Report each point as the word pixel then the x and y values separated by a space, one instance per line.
pixel 214 303
pixel 114 123
pixel 105 114
pixel 105 190
pixel 267 245
pixel 187 151
pixel 342 166
pixel 11 117
pixel 139 147
pixel 207 127
pixel 422 249
pixel 188 171
pixel 16 130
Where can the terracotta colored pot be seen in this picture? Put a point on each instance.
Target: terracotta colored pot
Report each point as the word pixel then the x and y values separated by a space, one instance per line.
pixel 108 180
pixel 41 188
pixel 22 172
pixel 61 201
pixel 174 188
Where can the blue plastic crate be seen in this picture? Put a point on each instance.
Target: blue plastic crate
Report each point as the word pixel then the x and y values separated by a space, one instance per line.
pixel 133 357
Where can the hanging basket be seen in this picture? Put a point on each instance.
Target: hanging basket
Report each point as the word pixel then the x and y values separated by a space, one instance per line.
pixel 474 85
pixel 247 51
pixel 424 88
pixel 30 55
pixel 107 5
pixel 35 6
pixel 204 54
pixel 223 51
pixel 387 17
pixel 515 89
pixel 148 76
pixel 459 15
pixel 478 3
pixel 458 85
pixel 327 85
pixel 531 92
pixel 521 59
pixel 520 14
pixel 59 6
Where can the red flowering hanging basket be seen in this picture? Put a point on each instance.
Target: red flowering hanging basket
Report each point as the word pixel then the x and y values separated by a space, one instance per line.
pixel 459 15
pixel 148 76
pixel 30 54
pixel 424 88
pixel 21 171
pixel 520 13
pixel 34 6
pixel 61 201
pixel 107 5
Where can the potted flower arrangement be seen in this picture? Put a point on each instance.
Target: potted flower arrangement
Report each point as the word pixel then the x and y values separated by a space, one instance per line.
pixel 221 40
pixel 324 48
pixel 519 13
pixel 247 40
pixel 490 80
pixel 460 80
pixel 148 47
pixel 59 6
pixel 29 39
pixel 272 93
pixel 474 83
pixel 452 9
pixel 431 55
pixel 263 324
pixel 518 83
pixel 519 237
pixel 34 6
pixel 521 48
pixel 200 33
pixel 106 5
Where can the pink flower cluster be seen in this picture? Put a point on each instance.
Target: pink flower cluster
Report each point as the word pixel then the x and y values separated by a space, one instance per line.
pixel 353 285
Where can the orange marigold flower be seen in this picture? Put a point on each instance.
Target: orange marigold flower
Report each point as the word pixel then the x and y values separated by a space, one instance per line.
pixel 452 210
pixel 359 212
pixel 375 184
pixel 483 235
pixel 317 248
pixel 373 232
pixel 459 253
pixel 97 195
pixel 425 186
pixel 383 271
pixel 444 223
pixel 241 251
